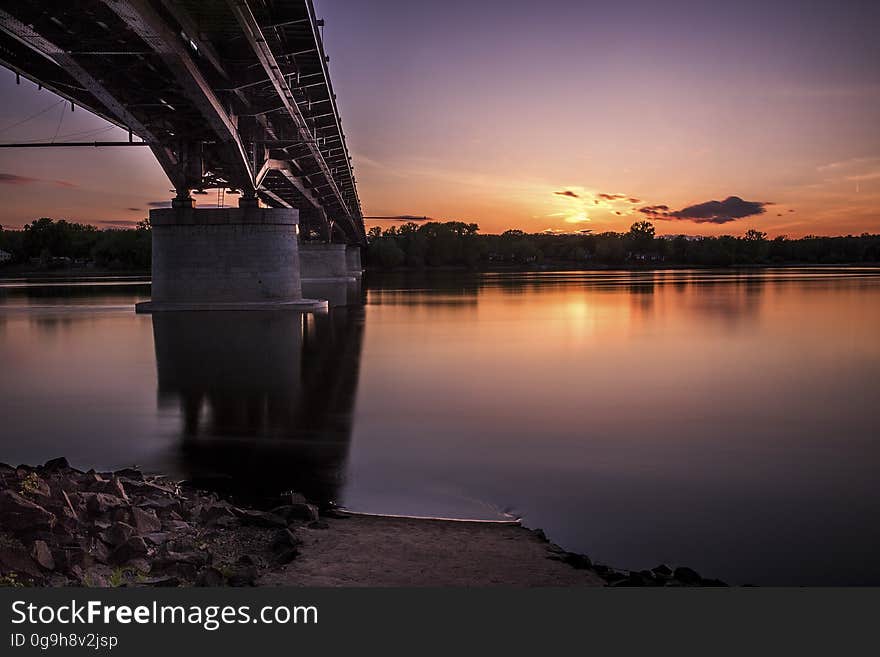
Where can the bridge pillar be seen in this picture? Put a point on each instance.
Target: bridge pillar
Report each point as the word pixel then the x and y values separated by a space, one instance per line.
pixel 244 258
pixel 353 260
pixel 320 261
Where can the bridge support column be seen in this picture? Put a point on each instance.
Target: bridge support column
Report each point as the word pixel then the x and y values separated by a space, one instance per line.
pixel 353 260
pixel 244 258
pixel 320 261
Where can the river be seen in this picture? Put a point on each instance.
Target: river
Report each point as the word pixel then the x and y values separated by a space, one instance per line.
pixel 722 420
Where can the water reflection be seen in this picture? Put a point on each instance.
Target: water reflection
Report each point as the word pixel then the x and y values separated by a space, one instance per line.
pixel 265 399
pixel 725 420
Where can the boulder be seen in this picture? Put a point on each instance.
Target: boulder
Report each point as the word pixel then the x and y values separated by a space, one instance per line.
pixel 133 548
pixel 662 570
pixel 14 559
pixel 284 539
pixel 300 511
pixel 686 575
pixel 253 518
pixel 117 534
pixel 145 520
pixel 43 555
pixel 56 465
pixel 100 503
pixel 209 577
pixel 19 515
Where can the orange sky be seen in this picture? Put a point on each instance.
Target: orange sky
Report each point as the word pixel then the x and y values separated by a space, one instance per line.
pixel 448 119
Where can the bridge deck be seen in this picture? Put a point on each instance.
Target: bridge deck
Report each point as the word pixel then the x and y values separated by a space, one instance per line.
pixel 227 93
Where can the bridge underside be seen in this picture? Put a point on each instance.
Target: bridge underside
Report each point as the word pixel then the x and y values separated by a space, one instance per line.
pixel 228 93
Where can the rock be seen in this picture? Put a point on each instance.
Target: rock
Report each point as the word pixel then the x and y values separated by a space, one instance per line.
pixel 662 570
pixel 578 561
pixel 301 511
pixel 130 473
pixel 167 581
pixel 194 558
pixel 209 577
pixel 100 503
pixel 181 545
pixel 43 555
pixel 157 538
pixel 115 487
pixel 243 576
pixel 686 575
pixel 252 518
pixel 214 512
pixel 286 555
pixel 539 533
pixel 133 548
pixel 713 582
pixel 283 539
pixel 56 465
pixel 319 524
pixel 225 522
pixel 145 520
pixel 117 534
pixel 14 559
pixel 19 515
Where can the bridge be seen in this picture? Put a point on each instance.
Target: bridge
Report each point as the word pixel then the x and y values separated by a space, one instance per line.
pixel 228 94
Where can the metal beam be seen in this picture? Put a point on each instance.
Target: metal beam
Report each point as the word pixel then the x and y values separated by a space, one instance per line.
pixel 94 144
pixel 255 37
pixel 45 48
pixel 140 16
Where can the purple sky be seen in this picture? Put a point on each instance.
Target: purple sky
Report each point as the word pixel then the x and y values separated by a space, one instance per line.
pixel 483 111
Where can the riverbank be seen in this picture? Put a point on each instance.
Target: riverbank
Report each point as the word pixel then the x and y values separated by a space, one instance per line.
pixel 60 526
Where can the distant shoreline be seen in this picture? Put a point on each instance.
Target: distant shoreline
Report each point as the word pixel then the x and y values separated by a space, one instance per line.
pixel 545 267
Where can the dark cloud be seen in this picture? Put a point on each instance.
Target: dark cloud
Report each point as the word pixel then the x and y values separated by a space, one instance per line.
pixel 612 197
pixel 12 179
pixel 119 223
pixel 585 231
pixel 159 204
pixel 634 200
pixel 134 209
pixel 710 212
pixel 655 210
pixel 568 193
pixel 399 217
pixel 720 212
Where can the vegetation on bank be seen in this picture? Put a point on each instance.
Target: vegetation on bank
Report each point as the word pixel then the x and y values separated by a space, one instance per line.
pixel 455 243
pixel 47 244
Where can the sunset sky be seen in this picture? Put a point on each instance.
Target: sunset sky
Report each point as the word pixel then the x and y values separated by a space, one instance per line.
pixel 554 115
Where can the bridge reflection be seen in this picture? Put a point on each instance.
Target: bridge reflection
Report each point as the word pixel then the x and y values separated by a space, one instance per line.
pixel 266 398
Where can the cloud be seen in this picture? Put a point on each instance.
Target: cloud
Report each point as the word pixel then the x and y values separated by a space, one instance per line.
pixel 400 217
pixel 119 223
pixel 134 210
pixel 634 200
pixel 710 212
pixel 655 210
pixel 159 204
pixel 567 193
pixel 612 197
pixel 12 179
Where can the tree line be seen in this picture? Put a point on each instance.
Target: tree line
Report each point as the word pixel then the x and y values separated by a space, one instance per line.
pixel 46 243
pixel 459 244
pixel 49 244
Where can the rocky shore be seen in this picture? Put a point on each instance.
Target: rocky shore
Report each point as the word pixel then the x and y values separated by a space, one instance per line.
pixel 60 526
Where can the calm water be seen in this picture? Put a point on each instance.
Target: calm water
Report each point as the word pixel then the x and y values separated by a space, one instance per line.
pixel 723 421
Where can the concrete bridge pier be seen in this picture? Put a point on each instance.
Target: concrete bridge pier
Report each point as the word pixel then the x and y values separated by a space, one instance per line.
pixel 324 262
pixel 244 258
pixel 353 260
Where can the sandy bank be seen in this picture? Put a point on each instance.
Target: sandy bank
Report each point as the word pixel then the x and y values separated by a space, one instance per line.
pixel 386 551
